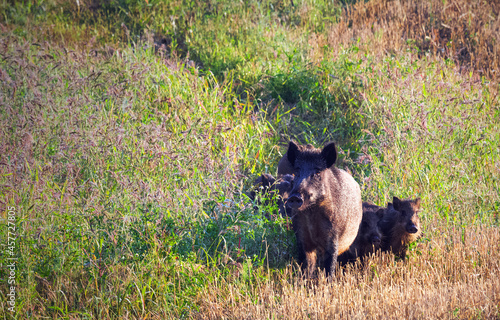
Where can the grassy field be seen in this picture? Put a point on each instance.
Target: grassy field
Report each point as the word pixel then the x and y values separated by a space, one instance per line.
pixel 131 132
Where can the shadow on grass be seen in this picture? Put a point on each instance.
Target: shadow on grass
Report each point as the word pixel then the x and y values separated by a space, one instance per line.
pixel 317 103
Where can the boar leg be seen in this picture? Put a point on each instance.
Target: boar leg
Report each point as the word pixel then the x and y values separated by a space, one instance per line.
pixel 301 253
pixel 310 263
pixel 401 253
pixel 331 256
pixel 300 246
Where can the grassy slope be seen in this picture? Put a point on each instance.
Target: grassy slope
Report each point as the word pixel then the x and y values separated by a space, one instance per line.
pixel 128 168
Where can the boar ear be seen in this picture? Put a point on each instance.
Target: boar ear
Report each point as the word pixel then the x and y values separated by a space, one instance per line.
pixel 329 153
pixel 267 179
pixel 293 149
pixel 418 202
pixel 397 203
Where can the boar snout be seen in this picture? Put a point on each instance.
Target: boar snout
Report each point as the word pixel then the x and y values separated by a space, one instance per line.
pixel 376 240
pixel 294 201
pixel 411 228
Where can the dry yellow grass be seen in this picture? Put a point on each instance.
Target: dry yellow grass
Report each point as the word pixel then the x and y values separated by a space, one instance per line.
pixel 466 32
pixel 453 276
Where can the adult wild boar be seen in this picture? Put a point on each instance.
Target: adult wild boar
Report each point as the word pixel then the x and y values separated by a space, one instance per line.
pixel 325 203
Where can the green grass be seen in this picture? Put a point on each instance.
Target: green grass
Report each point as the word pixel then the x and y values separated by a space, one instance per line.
pixel 443 140
pixel 128 166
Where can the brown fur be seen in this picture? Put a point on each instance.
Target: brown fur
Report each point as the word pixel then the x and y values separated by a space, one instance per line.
pixel 400 217
pixel 326 206
pixel 369 207
pixel 284 186
pixel 369 238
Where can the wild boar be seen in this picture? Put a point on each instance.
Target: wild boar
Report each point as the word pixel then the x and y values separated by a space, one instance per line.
pixel 369 238
pixel 262 185
pixel 268 188
pixel 326 206
pixel 400 226
pixel 284 186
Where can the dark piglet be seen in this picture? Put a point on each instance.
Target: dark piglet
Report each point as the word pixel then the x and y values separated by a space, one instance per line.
pixel 262 185
pixel 325 203
pixel 369 238
pixel 372 235
pixel 266 187
pixel 284 187
pixel 400 226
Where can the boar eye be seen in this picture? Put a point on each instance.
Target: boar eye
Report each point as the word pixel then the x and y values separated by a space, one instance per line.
pixel 316 173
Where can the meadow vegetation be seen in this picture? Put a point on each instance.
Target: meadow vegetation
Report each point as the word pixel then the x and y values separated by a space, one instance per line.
pixel 131 132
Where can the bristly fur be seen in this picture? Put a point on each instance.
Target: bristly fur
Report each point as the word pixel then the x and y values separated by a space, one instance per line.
pixel 284 166
pixel 394 225
pixel 369 238
pixel 328 210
